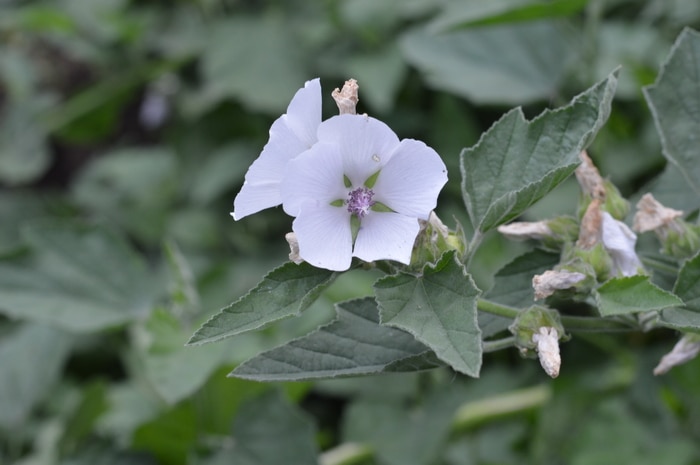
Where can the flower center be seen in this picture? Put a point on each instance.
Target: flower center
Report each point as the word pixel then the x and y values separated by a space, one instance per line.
pixel 360 201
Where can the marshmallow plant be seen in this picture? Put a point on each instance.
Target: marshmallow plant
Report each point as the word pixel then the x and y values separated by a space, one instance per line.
pixel 362 198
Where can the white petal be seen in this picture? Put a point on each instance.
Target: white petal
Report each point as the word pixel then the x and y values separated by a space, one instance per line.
pixel 304 112
pixel 619 240
pixel 324 235
pixel 291 134
pixel 386 235
pixel 411 180
pixel 315 176
pixel 366 144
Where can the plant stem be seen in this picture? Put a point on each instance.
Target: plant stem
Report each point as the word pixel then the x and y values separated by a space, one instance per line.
pixel 346 454
pixel 474 413
pixel 571 323
pixel 498 344
pixel 469 415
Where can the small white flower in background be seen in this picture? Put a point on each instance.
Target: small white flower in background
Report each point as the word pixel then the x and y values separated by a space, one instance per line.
pixel 547 340
pixel 686 349
pixel 359 191
pixel 290 135
pixel 619 241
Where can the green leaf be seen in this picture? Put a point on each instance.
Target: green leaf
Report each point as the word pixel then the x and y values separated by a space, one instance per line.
pixel 24 154
pixel 439 308
pixel 478 13
pixel 505 64
pixel 674 100
pixel 173 370
pixel 402 434
pixel 132 187
pixel 353 344
pixel 687 285
pixel 680 319
pixel 512 286
pixel 633 294
pixel 31 361
pixel 80 278
pixel 267 418
pixel 671 189
pixel 285 291
pixel 273 70
pixel 516 162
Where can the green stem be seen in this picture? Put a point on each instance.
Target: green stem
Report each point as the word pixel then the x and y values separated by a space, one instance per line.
pixel 592 324
pixel 478 412
pixel 571 323
pixel 472 247
pixel 497 309
pixel 468 416
pixel 346 454
pixel 498 344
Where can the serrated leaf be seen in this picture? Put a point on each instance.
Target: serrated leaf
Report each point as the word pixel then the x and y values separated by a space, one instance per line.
pixel 285 291
pixel 505 64
pixel 79 278
pixel 439 308
pixel 353 344
pixel 512 286
pixel 516 162
pixel 31 359
pixel 674 100
pixel 633 294
pixel 687 285
pixel 680 319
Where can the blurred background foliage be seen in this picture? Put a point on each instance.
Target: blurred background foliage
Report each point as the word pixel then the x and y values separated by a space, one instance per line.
pixel 126 128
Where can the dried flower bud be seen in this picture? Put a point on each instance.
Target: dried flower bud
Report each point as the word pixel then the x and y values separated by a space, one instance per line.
pixel 547 341
pixel 652 215
pixel 347 98
pixel 678 238
pixel 686 349
pixel 547 283
pixel 589 177
pixel 294 248
pixel 553 234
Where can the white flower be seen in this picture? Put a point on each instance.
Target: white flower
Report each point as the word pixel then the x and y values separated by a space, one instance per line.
pixel 359 191
pixel 290 135
pixel 619 240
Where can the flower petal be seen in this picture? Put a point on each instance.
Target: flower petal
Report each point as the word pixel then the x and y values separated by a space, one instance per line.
pixel 366 144
pixel 324 235
pixel 619 240
pixel 291 134
pixel 386 235
pixel 315 176
pixel 411 180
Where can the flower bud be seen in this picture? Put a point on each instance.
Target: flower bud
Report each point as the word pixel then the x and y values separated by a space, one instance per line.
pixel 594 187
pixel 528 323
pixel 547 340
pixel 678 238
pixel 553 234
pixel 561 281
pixel 347 98
pixel 293 248
pixel 434 239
